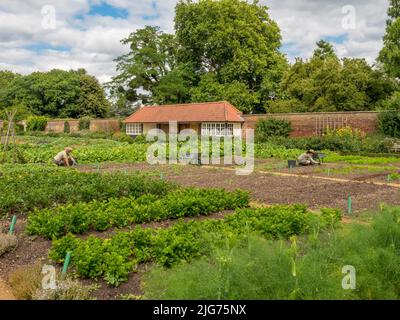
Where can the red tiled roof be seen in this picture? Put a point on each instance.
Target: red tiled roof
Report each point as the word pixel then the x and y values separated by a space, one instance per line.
pixel 193 112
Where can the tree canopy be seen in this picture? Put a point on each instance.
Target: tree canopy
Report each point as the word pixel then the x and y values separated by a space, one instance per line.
pixel 326 83
pixel 389 56
pixel 222 50
pixel 57 93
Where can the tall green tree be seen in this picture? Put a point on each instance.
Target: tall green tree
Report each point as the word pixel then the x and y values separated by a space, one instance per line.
pixel 389 56
pixel 326 83
pixel 222 50
pixel 237 42
pixel 57 93
pixel 149 73
pixel 324 50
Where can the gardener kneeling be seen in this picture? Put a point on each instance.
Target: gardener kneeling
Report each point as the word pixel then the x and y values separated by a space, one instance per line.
pixel 308 158
pixel 64 158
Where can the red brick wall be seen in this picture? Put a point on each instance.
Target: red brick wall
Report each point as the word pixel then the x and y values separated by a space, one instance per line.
pixel 309 124
pixel 96 125
pixel 104 125
pixel 57 126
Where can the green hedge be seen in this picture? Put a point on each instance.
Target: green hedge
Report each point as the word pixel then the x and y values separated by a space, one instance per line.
pixel 36 123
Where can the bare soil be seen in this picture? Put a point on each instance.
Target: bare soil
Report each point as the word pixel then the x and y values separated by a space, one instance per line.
pixel 31 250
pixel 267 188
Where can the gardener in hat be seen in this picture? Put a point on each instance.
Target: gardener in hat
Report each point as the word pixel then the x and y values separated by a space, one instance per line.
pixel 308 158
pixel 64 158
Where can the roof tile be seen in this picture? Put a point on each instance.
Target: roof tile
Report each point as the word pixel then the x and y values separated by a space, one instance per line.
pixel 193 112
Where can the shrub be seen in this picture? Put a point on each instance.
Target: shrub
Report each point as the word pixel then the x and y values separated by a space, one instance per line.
pixel 66 290
pixel 344 143
pixel 122 137
pixel 36 123
pixel 7 243
pixel 24 281
pixel 84 123
pixel 122 126
pixel 345 132
pixel 140 139
pixel 389 123
pixel 67 128
pixel 272 128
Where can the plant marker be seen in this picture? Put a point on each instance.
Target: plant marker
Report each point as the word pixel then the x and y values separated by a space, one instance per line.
pixel 161 176
pixel 12 226
pixel 98 168
pixel 350 206
pixel 329 172
pixel 66 263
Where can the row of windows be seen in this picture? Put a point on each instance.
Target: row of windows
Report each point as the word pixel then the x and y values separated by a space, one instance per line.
pixel 134 129
pixel 217 129
pixel 207 129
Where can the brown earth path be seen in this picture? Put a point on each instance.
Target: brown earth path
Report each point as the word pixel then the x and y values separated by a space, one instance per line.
pixel 5 292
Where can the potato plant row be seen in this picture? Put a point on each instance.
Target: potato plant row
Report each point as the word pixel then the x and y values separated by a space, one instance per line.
pixel 116 257
pixel 122 212
pixel 24 188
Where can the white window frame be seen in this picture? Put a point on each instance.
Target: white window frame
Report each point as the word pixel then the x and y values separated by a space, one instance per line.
pixel 217 129
pixel 134 129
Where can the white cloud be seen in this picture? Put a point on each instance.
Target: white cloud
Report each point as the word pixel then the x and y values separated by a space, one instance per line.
pixel 94 41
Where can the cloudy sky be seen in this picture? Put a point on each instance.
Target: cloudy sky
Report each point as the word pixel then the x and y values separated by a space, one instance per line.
pixel 70 34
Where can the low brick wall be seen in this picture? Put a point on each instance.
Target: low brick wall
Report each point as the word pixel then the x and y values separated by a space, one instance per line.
pixel 57 126
pixel 96 125
pixel 104 125
pixel 311 124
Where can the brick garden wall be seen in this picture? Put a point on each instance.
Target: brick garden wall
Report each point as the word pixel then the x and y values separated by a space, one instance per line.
pixel 97 125
pixel 303 124
pixel 310 124
pixel 57 126
pixel 104 125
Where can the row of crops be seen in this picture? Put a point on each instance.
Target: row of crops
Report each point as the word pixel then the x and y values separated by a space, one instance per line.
pixel 43 149
pixel 26 187
pixel 123 212
pixel 116 257
pixel 67 205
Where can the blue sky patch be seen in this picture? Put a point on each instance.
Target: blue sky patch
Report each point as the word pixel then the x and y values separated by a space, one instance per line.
pixel 106 10
pixel 40 47
pixel 289 48
pixel 156 15
pixel 340 39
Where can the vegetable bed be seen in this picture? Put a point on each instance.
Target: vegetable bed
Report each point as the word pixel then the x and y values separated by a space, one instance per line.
pixel 114 258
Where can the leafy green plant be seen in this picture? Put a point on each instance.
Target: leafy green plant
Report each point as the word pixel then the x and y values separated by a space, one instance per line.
pixel 67 128
pixel 268 128
pixel 26 187
pixel 121 212
pixel 394 176
pixel 115 257
pixel 303 269
pixel 84 123
pixel 36 123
